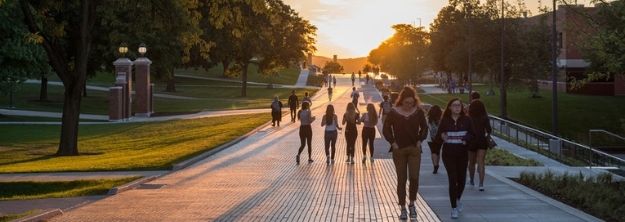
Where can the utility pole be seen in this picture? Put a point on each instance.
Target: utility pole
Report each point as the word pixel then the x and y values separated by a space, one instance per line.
pixel 554 74
pixel 502 74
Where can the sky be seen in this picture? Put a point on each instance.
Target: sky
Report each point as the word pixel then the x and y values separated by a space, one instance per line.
pixel 352 28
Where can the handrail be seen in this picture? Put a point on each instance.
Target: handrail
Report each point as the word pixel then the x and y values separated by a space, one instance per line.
pixel 551 136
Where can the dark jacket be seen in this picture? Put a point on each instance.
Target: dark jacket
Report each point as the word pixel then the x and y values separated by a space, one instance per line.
pixel 405 131
pixel 481 128
pixel 459 135
pixel 293 102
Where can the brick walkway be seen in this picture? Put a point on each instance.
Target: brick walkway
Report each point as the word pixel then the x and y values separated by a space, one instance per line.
pixel 257 179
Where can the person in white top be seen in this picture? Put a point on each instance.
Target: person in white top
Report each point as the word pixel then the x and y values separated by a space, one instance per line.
pixel 330 121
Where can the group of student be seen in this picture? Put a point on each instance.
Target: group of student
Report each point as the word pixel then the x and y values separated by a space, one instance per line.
pixel 293 102
pixel 458 135
pixel 460 132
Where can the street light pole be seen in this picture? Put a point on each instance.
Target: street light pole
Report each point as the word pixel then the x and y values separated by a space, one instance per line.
pixel 554 74
pixel 502 87
pixel 470 52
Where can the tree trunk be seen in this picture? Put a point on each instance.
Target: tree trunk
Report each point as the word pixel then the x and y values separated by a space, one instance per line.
pixel 226 64
pixel 71 115
pixel 244 80
pixel 43 91
pixel 84 90
pixel 171 82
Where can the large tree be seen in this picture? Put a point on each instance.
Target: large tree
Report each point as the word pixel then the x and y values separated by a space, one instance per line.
pixel 404 54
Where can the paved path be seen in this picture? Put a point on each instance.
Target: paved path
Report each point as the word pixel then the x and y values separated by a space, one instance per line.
pixel 257 179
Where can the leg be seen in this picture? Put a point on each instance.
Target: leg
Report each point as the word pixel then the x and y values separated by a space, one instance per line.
pixel 302 139
pixel 364 141
pixel 462 162
pixel 401 161
pixel 472 155
pixel 481 155
pixel 371 139
pixel 333 141
pixel 326 142
pixel 450 166
pixel 414 164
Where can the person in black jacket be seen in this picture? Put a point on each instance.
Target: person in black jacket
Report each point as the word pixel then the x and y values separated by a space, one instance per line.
pixel 293 105
pixel 405 128
pixel 455 133
pixel 482 131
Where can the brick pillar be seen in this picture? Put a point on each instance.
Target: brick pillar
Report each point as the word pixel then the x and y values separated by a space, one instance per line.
pixel 151 98
pixel 143 99
pixel 619 85
pixel 116 109
pixel 123 69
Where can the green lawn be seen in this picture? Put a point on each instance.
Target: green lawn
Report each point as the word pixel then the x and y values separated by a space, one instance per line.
pixel 499 157
pixel 144 146
pixel 12 217
pixel 57 189
pixel 286 76
pixel 577 113
pixel 214 95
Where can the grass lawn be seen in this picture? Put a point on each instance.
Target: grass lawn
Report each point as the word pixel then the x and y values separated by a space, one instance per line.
pixel 286 76
pixel 139 146
pixel 577 113
pixel 214 95
pixel 500 157
pixel 58 189
pixel 12 217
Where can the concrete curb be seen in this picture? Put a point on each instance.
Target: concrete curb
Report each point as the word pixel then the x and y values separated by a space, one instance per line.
pixel 47 215
pixel 131 185
pixel 566 208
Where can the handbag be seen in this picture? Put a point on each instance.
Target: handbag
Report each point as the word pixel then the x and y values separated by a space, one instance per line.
pixel 490 142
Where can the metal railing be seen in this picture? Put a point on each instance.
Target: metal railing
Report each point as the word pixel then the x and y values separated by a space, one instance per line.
pixel 562 150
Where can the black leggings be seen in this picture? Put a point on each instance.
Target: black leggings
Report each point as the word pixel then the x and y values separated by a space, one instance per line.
pixel 456 166
pixel 350 136
pixel 293 113
pixel 305 137
pixel 368 134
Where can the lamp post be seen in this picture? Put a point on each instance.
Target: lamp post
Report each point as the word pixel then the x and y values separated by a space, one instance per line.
pixel 142 49
pixel 502 74
pixel 142 83
pixel 123 49
pixel 554 74
pixel 470 69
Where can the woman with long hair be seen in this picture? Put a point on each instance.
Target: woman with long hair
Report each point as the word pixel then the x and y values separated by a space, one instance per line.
pixel 455 133
pixel 351 133
pixel 305 131
pixel 330 121
pixel 434 118
pixel 405 128
pixel 370 119
pixel 477 150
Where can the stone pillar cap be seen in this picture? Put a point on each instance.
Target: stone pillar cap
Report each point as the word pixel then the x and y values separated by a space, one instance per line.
pixel 122 62
pixel 143 61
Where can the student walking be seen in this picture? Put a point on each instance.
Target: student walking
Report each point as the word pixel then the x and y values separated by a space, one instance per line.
pixel 455 133
pixel 305 131
pixel 330 121
pixel 405 128
pixel 276 111
pixel 307 99
pixel 330 93
pixel 293 105
pixel 351 132
pixel 385 107
pixel 334 80
pixel 353 78
pixel 478 147
pixel 355 95
pixel 434 118
pixel 370 119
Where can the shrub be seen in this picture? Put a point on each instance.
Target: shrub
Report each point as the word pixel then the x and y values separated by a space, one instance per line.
pixel 499 157
pixel 599 196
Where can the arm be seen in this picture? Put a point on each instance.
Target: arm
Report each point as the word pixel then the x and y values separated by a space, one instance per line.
pixel 438 138
pixel 298 114
pixel 423 126
pixel 470 133
pixel 336 119
pixel 489 129
pixel 323 122
pixel 387 130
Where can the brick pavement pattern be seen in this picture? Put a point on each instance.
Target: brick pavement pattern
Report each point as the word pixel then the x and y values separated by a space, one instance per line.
pixel 258 180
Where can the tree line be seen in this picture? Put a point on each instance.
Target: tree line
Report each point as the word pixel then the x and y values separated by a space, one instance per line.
pixel 73 39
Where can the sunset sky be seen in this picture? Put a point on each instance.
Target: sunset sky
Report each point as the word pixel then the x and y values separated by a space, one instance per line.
pixel 351 28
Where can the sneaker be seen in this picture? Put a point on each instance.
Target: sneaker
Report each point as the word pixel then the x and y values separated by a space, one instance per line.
pixel 310 161
pixel 351 160
pixel 347 160
pixel 328 159
pixel 371 159
pixel 459 206
pixel 332 161
pixel 404 214
pixel 481 187
pixel 435 170
pixel 297 159
pixel 471 182
pixel 454 213
pixel 413 211
pixel 364 159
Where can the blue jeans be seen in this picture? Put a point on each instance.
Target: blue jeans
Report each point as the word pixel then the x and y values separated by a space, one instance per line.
pixel 330 140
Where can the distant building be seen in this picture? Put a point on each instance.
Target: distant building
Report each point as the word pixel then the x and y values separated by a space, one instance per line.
pixel 573 27
pixel 335 58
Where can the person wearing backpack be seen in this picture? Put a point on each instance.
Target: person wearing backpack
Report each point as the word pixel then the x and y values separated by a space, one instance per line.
pixel 385 108
pixel 305 131
pixel 370 119
pixel 293 105
pixel 276 111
